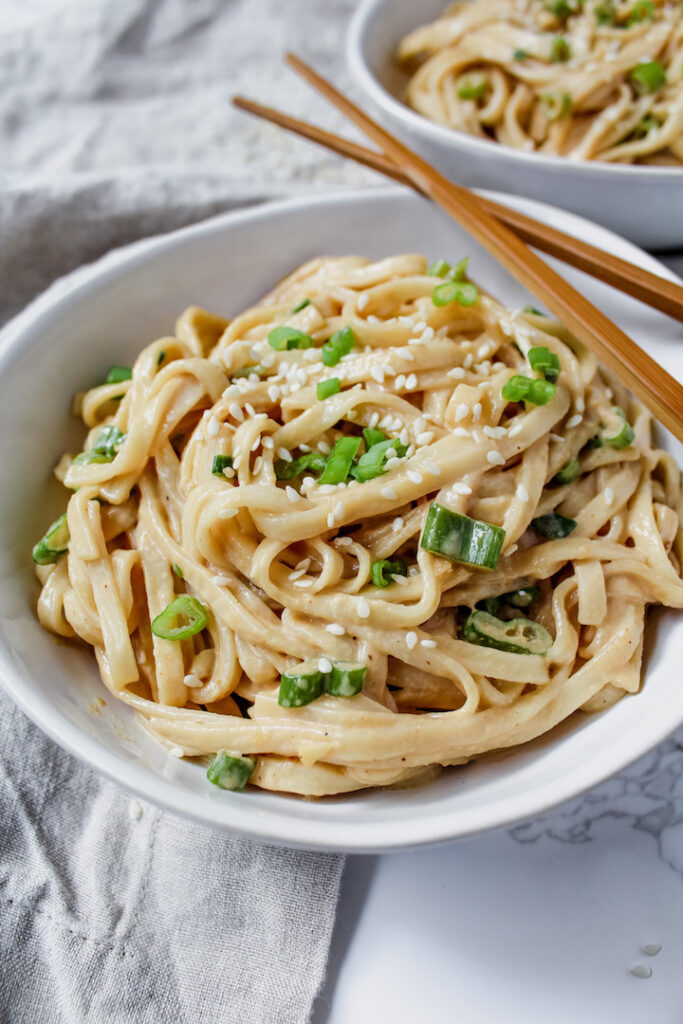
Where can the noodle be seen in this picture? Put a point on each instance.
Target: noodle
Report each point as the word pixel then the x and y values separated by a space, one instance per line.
pixel 189 487
pixel 583 79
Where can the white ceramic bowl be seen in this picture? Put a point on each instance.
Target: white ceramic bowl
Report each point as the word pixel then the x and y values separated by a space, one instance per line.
pixel 105 314
pixel 643 203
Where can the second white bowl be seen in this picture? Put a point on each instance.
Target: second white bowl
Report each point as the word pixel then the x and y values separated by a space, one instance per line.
pixel 643 203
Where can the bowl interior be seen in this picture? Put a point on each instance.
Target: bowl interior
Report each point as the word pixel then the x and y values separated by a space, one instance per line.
pixel 105 315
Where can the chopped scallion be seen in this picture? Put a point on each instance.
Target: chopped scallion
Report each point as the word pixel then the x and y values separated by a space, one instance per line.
pixel 439 269
pixel 346 678
pixel 463 292
pixel 520 55
pixel 553 525
pixel 568 473
pixel 644 10
pixel 518 636
pixel 383 570
pixel 311 462
pixel 373 436
pixel 544 361
pixel 327 388
pixel 372 463
pixel 648 77
pixel 339 460
pixel 221 462
pixel 230 771
pixel 618 433
pixel 181 619
pixel 338 346
pixel 283 339
pixel 300 686
pixel 472 87
pixel 53 544
pixel 106 446
pixel 560 50
pixel 456 536
pixel 116 374
pixel 527 389
pixel 178 571
pixel 556 104
pixel 301 305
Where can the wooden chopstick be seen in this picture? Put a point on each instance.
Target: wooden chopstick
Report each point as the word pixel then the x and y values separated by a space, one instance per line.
pixel 656 388
pixel 655 291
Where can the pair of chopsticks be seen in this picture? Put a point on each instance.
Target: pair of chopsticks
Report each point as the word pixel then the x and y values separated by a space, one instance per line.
pixel 504 233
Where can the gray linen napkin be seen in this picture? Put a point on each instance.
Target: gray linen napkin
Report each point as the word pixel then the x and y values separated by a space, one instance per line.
pixel 114 124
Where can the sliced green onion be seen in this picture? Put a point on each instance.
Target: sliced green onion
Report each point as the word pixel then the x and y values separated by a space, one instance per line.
pixel 53 544
pixel 161 357
pixel 544 361
pixel 301 305
pixel 618 433
pixel 339 460
pixel 648 123
pixel 313 462
pixel 346 679
pixel 382 571
pixel 300 686
pixel 221 462
pixel 459 271
pixel 594 442
pixel 644 10
pixel 463 292
pixel 116 374
pixel 518 636
pixel 560 50
pixel 106 446
pixel 648 77
pixel 439 269
pixel 327 388
pixel 560 8
pixel 372 463
pixel 181 619
pixel 553 525
pixel 605 13
pixel 532 309
pixel 230 771
pixel 472 87
pixel 455 536
pixel 520 55
pixel 338 346
pixel 556 104
pixel 178 571
pixel 568 472
pixel 283 339
pixel 373 436
pixel 527 389
pixel 522 598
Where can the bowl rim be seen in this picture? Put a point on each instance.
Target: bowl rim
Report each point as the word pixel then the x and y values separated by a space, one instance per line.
pixel 410 119
pixel 232 813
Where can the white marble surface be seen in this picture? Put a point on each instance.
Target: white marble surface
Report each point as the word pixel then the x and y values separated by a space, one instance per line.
pixel 542 922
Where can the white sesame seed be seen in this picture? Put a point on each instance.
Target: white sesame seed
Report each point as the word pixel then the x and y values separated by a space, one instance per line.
pixel 579 403
pixel 420 424
pixel 176 752
pixel 304 447
pixel 495 458
pixel 362 301
pixel 522 492
pixel 303 564
pixel 237 462
pixel 425 437
pixel 268 360
pixel 461 432
pixel 414 341
pixel 405 353
pixel 343 542
pixel 303 583
pixel 609 495
pixel 338 510
pixel 512 549
pixel 397 578
pixel 324 665
pixel 389 493
pixel 420 325
pixel 284 454
pixel 192 680
pixel 428 643
pixel 388 369
pixel 432 467
pixel 427 334
pixel 404 436
pixel 134 810
pixel 232 391
pixel 377 373
pixel 254 378
pixel 212 426
pixel 386 421
pixel 476 411
pixel 641 971
pixel 267 442
pixel 324 447
pixel 258 463
pixel 461 412
pixel 461 488
pixel 363 608
pixel 236 412
pixel 291 493
pixel 397 524
pixel 327 488
pixel 257 442
pixel 516 429
pixel 273 392
pixel 411 640
pixel 468 360
pixel 457 373
pixel 330 520
pixel 335 628
pixel 651 949
pixel 414 477
pixel 494 432
pixel 574 420
pixel 411 382
pixel 374 420
pixel 393 462
pixel 400 381
pixel 483 350
pixel 296 574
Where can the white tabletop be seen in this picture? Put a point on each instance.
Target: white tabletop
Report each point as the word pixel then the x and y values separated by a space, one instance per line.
pixel 545 921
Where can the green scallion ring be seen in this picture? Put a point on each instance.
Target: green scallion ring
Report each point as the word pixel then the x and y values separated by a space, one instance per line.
pixel 463 292
pixel 230 771
pixel 54 544
pixel 283 339
pixel 189 610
